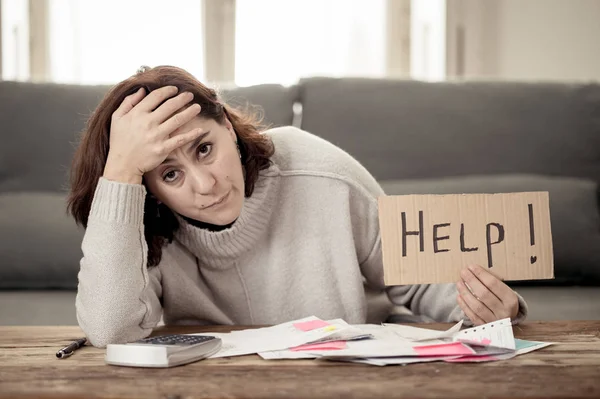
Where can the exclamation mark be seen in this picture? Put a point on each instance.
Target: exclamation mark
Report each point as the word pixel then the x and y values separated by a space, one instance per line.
pixel 533 258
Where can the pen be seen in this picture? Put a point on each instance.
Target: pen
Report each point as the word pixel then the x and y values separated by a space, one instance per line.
pixel 69 349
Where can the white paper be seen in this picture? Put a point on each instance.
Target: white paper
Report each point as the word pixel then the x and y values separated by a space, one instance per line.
pixel 390 343
pixel 366 348
pixel 352 332
pixel 349 332
pixel 417 334
pixel 381 332
pixel 370 348
pixel 498 334
pixel 281 336
pixel 376 331
pixel 386 338
pixel 286 354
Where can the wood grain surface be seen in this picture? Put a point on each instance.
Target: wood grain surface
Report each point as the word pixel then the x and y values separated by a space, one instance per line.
pixel 570 368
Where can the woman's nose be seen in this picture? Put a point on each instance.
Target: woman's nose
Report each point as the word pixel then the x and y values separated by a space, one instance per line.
pixel 203 181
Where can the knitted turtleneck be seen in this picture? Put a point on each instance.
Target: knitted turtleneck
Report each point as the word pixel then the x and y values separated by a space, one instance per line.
pixel 219 248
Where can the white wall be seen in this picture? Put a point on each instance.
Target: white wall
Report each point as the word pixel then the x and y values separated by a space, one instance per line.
pixel 524 39
pixel 548 39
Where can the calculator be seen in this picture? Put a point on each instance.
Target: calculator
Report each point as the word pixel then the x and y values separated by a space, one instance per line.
pixel 163 350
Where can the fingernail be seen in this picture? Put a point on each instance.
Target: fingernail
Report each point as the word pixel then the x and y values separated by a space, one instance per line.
pixel 472 268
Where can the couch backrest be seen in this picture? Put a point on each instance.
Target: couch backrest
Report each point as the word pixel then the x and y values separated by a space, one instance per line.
pixel 398 129
pixel 40 125
pixel 410 129
pixel 274 102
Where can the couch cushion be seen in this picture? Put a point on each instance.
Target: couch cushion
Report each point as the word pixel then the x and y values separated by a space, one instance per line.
pixel 38 308
pixel 409 129
pixel 40 245
pixel 574 215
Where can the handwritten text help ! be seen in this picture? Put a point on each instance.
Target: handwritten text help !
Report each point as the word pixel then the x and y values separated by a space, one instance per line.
pixel 429 238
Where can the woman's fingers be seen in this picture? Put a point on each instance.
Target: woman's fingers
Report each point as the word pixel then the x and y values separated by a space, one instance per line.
pixel 483 293
pixel 496 286
pixel 170 107
pixel 179 119
pixel 182 139
pixel 486 295
pixel 155 98
pixel 469 312
pixel 477 307
pixel 129 102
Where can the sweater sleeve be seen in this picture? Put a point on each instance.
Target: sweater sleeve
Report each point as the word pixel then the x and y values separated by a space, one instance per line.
pixel 118 297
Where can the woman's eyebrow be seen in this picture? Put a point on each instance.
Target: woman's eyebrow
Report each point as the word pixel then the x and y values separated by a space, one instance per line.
pixel 191 147
pixel 197 141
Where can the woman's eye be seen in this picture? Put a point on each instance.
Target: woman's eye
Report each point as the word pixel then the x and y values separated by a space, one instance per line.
pixel 204 149
pixel 170 176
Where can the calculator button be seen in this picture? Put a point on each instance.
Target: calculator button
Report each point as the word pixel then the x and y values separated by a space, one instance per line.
pixel 176 339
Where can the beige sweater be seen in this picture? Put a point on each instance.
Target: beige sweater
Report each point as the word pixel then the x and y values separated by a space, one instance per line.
pixel 306 243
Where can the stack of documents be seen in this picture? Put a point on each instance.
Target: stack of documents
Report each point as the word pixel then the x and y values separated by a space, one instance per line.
pixel 379 345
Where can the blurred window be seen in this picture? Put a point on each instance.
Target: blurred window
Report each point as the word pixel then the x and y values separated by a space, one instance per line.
pixel 104 42
pixel 15 39
pixel 281 41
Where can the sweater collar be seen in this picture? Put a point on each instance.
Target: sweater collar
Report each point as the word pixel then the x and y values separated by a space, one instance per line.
pixel 220 249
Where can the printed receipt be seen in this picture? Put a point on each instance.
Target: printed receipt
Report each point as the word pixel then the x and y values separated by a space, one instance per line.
pixel 498 334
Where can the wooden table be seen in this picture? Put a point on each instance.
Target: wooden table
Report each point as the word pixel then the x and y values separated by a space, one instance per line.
pixel 571 368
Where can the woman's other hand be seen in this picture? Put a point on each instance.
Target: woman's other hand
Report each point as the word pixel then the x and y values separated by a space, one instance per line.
pixel 484 298
pixel 140 132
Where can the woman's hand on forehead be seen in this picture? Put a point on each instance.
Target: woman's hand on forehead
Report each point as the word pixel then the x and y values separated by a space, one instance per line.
pixel 140 131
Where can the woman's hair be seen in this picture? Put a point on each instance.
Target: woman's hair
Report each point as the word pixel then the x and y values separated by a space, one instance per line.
pixel 90 157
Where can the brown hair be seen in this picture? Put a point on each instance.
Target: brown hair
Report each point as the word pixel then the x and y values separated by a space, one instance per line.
pixel 91 154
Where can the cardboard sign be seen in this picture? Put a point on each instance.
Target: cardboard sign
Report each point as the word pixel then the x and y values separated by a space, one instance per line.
pixel 430 238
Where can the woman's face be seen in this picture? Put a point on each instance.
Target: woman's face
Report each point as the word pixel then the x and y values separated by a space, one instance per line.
pixel 202 180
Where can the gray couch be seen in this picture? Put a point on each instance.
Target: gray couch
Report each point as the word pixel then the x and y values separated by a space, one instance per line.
pixel 415 137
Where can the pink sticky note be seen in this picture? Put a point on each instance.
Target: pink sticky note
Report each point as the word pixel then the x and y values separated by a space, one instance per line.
pixel 310 325
pixel 322 346
pixel 451 349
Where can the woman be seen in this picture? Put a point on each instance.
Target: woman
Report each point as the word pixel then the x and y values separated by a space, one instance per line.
pixel 192 212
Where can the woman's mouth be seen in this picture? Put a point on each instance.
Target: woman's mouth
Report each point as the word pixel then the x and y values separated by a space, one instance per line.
pixel 220 201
